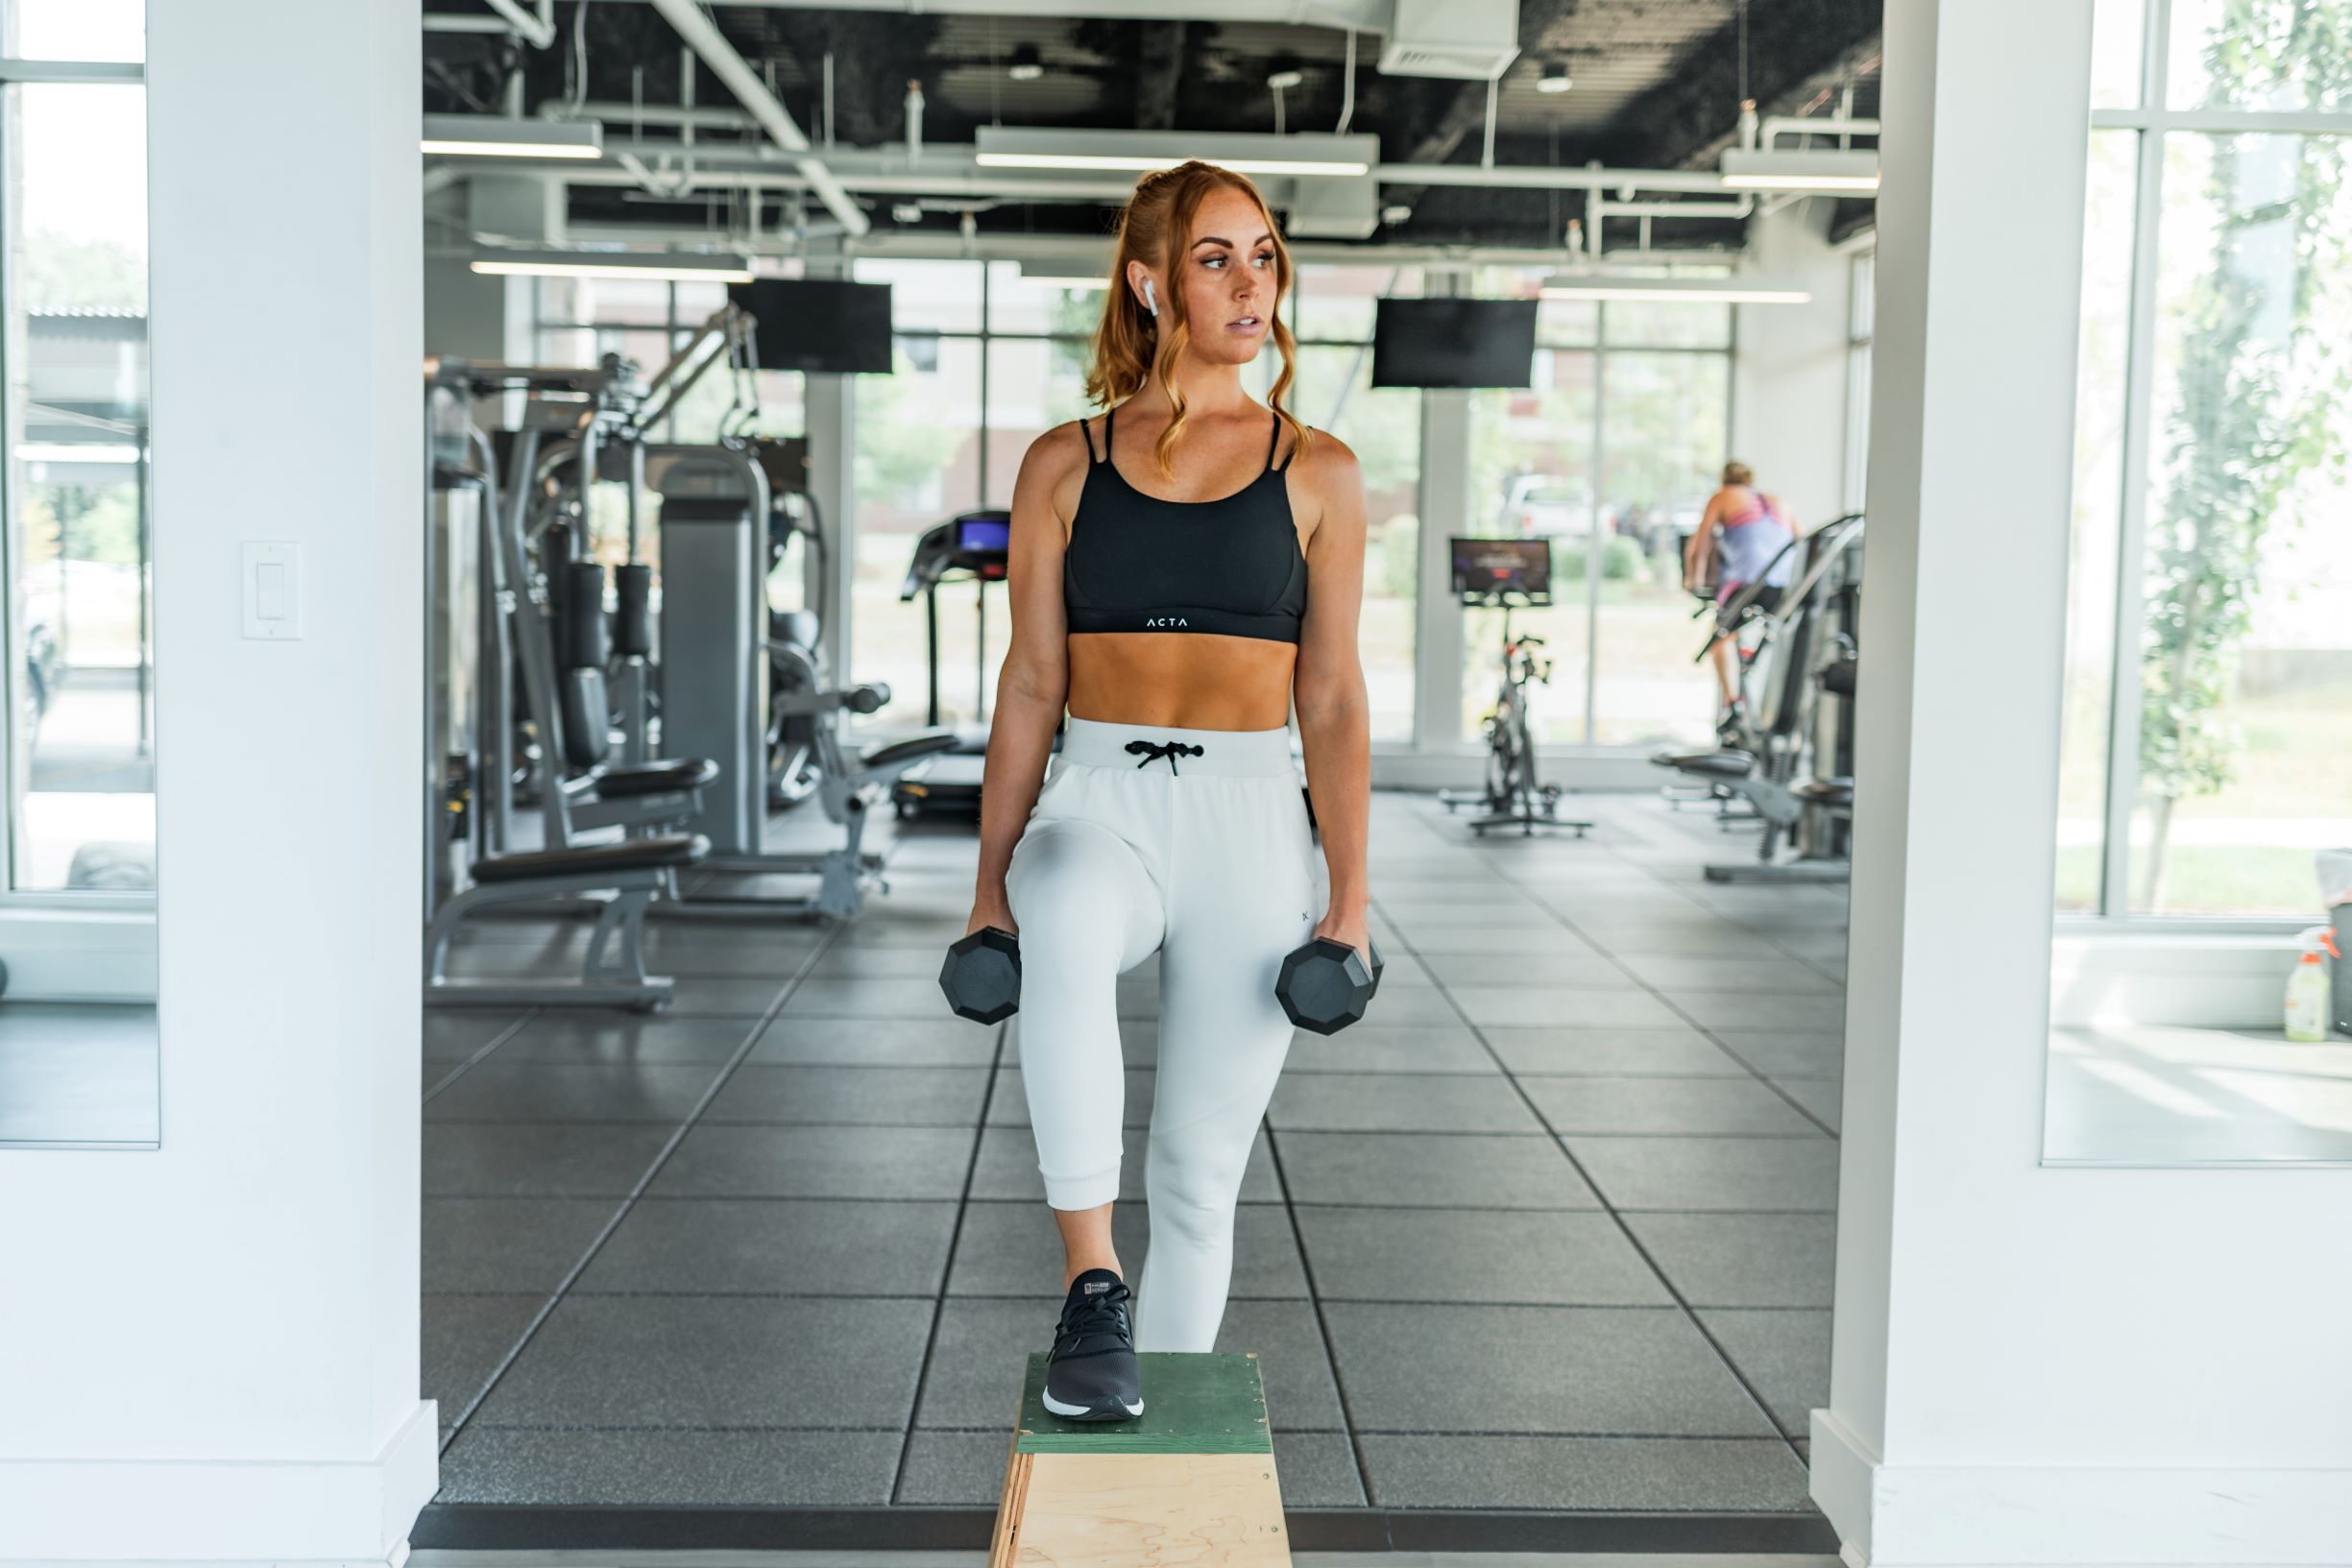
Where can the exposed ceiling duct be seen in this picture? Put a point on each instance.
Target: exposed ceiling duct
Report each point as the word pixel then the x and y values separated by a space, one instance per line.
pixel 1074 130
pixel 1364 16
pixel 538 31
pixel 703 36
pixel 1467 41
pixel 1461 39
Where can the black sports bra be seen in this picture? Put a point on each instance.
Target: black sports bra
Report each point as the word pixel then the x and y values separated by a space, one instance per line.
pixel 1229 567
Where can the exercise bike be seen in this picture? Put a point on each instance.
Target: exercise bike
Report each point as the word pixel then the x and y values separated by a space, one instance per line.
pixel 1504 573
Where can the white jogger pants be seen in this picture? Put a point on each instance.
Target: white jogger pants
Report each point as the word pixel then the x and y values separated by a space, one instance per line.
pixel 1206 858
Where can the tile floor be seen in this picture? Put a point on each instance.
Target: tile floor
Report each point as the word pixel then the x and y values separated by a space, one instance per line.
pixel 1551 1230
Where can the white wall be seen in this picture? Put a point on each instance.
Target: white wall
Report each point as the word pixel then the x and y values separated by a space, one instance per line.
pixel 1788 377
pixel 209 1352
pixel 466 313
pixel 2030 1365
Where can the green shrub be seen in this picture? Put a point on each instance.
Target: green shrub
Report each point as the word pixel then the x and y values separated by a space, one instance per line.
pixel 1621 560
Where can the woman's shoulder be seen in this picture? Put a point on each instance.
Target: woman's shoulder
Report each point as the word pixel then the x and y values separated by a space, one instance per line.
pixel 1055 453
pixel 1322 457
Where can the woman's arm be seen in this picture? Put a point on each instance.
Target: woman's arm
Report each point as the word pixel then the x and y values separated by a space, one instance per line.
pixel 1327 685
pixel 1695 549
pixel 1034 681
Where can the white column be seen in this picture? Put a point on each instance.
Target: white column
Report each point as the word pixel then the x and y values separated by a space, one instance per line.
pixel 1437 621
pixel 2030 1365
pixel 209 1352
pixel 829 405
pixel 1788 374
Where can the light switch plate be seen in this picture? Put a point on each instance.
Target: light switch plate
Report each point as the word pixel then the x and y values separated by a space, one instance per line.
pixel 273 579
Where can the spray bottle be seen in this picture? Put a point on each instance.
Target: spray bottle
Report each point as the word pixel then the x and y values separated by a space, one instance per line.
pixel 2310 993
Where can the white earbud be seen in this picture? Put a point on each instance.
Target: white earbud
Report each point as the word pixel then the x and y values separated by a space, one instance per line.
pixel 1151 297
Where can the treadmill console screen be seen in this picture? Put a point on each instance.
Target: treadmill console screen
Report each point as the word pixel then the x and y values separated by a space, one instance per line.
pixel 984 534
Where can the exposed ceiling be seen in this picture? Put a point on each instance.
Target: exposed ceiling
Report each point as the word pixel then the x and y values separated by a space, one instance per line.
pixel 1656 84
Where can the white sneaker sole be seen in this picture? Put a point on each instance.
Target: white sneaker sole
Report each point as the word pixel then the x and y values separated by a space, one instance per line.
pixel 1061 1409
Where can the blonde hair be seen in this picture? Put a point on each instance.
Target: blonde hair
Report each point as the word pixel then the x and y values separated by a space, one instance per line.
pixel 1131 345
pixel 1738 473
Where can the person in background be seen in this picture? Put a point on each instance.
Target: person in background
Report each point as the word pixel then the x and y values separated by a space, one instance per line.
pixel 1749 530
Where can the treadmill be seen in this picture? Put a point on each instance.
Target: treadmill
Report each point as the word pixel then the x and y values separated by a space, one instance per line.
pixel 973 547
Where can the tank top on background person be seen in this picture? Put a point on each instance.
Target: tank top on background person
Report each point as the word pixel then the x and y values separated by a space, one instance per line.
pixel 1752 538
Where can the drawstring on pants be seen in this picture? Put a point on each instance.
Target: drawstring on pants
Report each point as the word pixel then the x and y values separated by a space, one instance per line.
pixel 1153 750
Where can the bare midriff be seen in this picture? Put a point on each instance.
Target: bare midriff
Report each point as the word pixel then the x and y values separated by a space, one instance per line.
pixel 1181 680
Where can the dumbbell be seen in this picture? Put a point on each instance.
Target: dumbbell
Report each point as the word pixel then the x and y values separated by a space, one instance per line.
pixel 1325 985
pixel 983 975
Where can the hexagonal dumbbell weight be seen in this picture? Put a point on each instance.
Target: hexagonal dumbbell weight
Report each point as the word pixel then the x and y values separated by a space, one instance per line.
pixel 1325 985
pixel 983 976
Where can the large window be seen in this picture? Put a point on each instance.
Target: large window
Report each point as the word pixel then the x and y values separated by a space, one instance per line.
pixel 2209 721
pixel 1610 454
pixel 74 445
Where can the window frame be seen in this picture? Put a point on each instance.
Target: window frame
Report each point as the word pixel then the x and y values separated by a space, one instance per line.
pixel 2152 120
pixel 14 72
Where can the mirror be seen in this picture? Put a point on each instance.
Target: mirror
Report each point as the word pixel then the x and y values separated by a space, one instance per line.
pixel 2205 780
pixel 78 1050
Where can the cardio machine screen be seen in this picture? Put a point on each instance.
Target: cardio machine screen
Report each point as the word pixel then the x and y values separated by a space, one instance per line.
pixel 1485 569
pixel 983 536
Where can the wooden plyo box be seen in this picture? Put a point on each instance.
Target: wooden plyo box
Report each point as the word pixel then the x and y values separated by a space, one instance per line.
pixel 1189 1482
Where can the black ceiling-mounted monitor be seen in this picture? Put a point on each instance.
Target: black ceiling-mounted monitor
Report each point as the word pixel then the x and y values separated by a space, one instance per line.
pixel 819 324
pixel 1454 343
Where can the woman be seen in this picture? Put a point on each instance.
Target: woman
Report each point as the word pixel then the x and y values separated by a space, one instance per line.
pixel 1183 571
pixel 1750 528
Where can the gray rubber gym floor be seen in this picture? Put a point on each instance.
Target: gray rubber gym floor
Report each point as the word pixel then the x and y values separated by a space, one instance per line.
pixel 1550 1232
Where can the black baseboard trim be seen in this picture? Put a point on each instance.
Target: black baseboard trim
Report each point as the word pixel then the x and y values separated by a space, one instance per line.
pixel 503 1525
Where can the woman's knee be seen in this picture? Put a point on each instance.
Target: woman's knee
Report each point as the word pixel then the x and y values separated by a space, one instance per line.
pixel 1191 1190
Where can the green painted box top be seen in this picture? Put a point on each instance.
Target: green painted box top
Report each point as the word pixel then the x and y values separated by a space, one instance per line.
pixel 1193 1403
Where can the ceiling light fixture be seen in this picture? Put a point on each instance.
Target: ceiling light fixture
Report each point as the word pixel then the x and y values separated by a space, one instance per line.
pixel 1678 290
pixel 1825 170
pixel 488 135
pixel 673 266
pixel 1028 65
pixel 1067 273
pixel 1307 153
pixel 1555 78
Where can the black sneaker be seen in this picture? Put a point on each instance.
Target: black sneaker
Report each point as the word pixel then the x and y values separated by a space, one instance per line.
pixel 1092 1374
